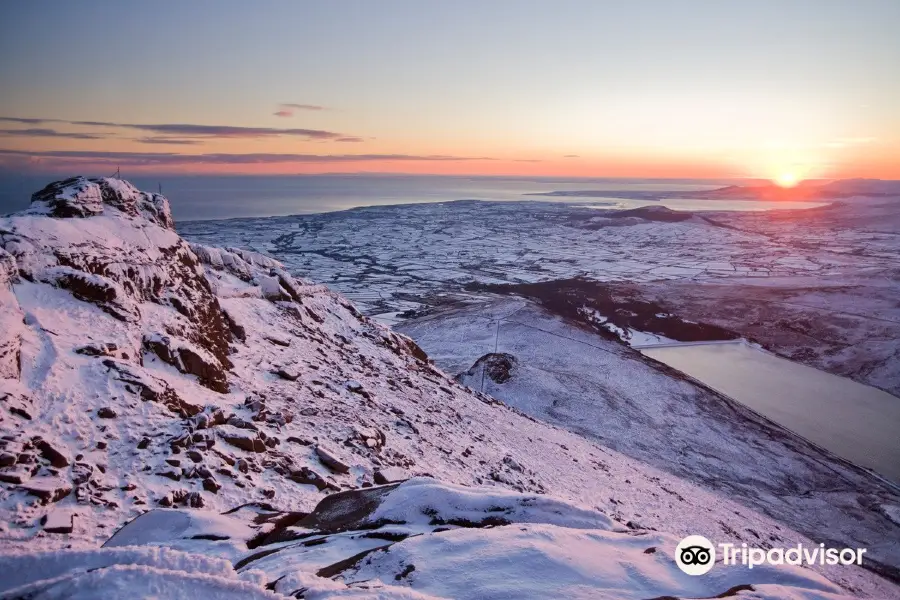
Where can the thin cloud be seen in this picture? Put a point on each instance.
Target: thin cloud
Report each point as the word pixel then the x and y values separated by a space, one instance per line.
pixel 303 106
pixel 284 113
pixel 190 129
pixel 571 156
pixel 350 139
pixel 166 140
pixel 228 131
pixel 172 158
pixel 49 133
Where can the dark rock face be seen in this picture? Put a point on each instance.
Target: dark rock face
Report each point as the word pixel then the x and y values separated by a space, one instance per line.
pixel 56 457
pixel 245 440
pixel 331 461
pixel 70 198
pixel 498 367
pixel 151 389
pixel 390 475
pixel 210 372
pixel 80 197
pixel 106 413
pixel 11 318
pixel 48 489
pixel 95 289
pixel 652 213
pixel 118 275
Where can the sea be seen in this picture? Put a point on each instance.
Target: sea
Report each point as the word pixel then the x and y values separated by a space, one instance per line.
pixel 205 197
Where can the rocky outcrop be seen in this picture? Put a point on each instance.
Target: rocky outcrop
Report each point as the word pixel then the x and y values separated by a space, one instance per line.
pixel 191 360
pixel 119 265
pixel 11 318
pixel 80 197
pixel 497 366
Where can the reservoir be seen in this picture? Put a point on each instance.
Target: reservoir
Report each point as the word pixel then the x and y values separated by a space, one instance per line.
pixel 855 421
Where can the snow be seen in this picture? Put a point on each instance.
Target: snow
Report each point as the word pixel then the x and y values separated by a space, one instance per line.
pixel 543 561
pixel 488 463
pixel 421 500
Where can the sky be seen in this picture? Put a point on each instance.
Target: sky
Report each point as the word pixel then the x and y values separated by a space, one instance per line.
pixel 781 89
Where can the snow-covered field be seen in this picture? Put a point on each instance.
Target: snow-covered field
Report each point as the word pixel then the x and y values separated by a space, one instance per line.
pixel 814 285
pixel 251 412
pixel 567 375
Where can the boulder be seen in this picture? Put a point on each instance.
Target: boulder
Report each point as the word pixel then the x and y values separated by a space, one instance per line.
pixel 59 520
pixel 289 373
pixel 331 461
pixel 48 489
pixel 307 476
pixel 390 475
pixel 243 439
pixel 51 453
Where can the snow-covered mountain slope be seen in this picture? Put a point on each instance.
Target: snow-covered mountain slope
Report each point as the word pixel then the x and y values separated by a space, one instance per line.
pixel 415 540
pixel 140 371
pixel 544 365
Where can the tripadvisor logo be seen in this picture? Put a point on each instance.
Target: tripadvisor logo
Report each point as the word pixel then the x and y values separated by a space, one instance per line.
pixel 696 555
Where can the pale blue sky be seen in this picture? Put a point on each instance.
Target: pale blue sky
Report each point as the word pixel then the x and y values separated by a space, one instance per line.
pixel 811 80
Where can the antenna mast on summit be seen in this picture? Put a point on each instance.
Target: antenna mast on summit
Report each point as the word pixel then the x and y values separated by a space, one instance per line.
pixel 118 175
pixel 160 187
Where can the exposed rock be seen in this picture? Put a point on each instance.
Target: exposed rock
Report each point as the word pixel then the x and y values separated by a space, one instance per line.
pixel 243 440
pixel 271 289
pixel 95 289
pixel 289 373
pixel 59 520
pixel 152 389
pixel 346 510
pixel 307 476
pixel 11 318
pixel 189 360
pixel 106 412
pixel 145 441
pixel 80 197
pixel 211 485
pixel 498 366
pixel 19 405
pixel 174 474
pixel 14 475
pixel 7 459
pixel 390 475
pixel 278 341
pixel 309 411
pixel 194 456
pixel 331 461
pixel 49 452
pixel 240 423
pixel 195 500
pixel 48 489
pixel 354 386
pixel 97 349
pixel 81 473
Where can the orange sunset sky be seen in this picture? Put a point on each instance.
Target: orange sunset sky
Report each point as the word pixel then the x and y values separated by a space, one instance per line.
pixel 760 88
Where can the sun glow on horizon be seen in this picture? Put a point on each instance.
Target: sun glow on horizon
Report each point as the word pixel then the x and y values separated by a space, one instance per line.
pixel 787 180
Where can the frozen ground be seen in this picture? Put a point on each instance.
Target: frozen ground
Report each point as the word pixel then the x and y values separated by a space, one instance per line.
pixel 571 376
pixel 141 372
pixel 815 285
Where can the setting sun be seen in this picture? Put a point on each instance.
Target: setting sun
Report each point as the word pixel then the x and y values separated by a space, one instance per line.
pixel 787 180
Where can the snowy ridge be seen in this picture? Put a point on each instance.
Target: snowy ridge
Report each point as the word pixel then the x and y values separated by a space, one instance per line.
pixel 140 372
